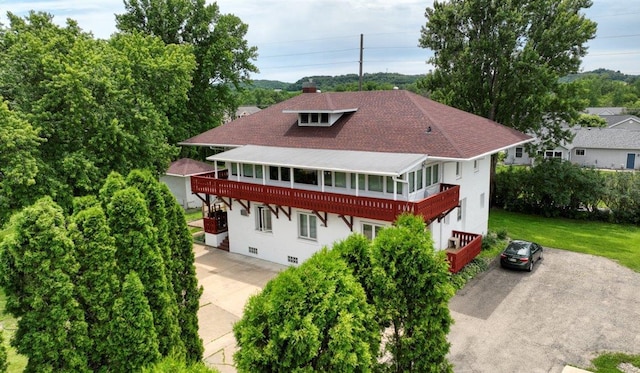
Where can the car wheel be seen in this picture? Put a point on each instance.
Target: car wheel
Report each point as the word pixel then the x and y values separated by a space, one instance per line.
pixel 530 268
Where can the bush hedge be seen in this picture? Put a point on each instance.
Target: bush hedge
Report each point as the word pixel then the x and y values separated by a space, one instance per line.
pixel 555 188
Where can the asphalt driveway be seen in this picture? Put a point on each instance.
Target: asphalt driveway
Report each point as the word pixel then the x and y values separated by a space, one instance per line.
pixel 570 308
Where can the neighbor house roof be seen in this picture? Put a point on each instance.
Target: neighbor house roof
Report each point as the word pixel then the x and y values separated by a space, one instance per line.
pixel 188 167
pixel 605 110
pixel 374 163
pixel 606 138
pixel 615 120
pixel 384 121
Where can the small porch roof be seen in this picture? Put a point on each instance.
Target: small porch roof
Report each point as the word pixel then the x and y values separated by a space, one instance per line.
pixel 372 163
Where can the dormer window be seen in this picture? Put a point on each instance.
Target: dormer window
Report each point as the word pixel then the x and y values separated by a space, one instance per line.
pixel 319 118
pixel 314 118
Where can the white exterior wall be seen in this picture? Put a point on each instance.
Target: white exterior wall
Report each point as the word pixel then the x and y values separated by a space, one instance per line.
pixel 605 158
pixel 181 188
pixel 474 197
pixel 283 241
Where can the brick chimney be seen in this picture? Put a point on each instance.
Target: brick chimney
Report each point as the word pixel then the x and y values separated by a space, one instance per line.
pixel 309 87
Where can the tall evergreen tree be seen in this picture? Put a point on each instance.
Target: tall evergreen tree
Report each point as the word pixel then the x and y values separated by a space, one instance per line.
pixel 184 278
pixel 112 184
pixel 137 250
pixel 37 271
pixel 146 183
pixel 309 318
pixel 134 341
pixel 96 282
pixel 413 292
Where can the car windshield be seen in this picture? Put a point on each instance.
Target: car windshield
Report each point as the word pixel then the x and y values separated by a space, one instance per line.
pixel 517 248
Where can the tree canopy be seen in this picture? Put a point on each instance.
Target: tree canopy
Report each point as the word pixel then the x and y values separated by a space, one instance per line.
pixel 223 56
pixel 503 59
pixel 96 106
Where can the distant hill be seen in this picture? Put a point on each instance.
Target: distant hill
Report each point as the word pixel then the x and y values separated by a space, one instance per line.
pixel 608 74
pixel 342 82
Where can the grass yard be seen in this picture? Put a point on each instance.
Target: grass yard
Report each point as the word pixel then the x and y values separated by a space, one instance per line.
pixel 193 214
pixel 8 325
pixel 614 241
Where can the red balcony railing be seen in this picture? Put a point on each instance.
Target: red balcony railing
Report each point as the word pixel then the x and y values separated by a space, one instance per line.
pixel 216 222
pixel 341 204
pixel 470 246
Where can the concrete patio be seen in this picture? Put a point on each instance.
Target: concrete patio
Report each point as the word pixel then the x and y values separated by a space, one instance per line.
pixel 228 280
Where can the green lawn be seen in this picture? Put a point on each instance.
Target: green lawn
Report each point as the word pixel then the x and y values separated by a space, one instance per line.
pixel 614 241
pixel 17 363
pixel 193 214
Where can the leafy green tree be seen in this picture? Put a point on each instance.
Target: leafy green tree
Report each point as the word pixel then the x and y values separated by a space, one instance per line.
pixel 183 275
pixel 134 333
pixel 413 292
pixel 222 54
pixel 37 271
pixel 3 353
pixel 101 105
pixel 18 161
pixel 309 318
pixel 96 282
pixel 137 250
pixel 590 120
pixel 502 60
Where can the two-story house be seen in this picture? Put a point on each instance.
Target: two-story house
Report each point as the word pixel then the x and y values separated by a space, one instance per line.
pixel 311 170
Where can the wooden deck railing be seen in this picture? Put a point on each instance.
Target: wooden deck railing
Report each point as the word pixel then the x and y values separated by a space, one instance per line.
pixel 470 246
pixel 341 204
pixel 216 222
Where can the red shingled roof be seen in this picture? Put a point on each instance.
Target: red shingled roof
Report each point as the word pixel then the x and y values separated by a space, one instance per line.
pixel 386 121
pixel 189 167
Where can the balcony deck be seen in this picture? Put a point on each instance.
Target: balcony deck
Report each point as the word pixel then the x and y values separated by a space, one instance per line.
pixel 429 208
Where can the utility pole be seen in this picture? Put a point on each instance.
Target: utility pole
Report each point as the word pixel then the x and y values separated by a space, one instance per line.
pixel 361 48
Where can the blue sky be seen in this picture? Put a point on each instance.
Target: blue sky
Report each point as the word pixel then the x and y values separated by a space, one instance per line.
pixel 297 38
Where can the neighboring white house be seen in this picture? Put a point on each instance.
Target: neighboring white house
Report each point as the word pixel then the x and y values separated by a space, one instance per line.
pixel 309 171
pixel 178 179
pixel 606 148
pixel 614 147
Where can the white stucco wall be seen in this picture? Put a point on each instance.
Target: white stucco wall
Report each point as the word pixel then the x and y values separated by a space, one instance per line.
pixel 283 241
pixel 181 188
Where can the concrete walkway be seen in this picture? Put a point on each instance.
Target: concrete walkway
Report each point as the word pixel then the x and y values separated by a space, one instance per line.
pixel 228 281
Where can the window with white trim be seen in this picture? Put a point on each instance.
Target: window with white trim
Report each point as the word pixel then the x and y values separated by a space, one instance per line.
pixel 307 226
pixel 580 152
pixel 390 185
pixel 463 202
pixel 519 152
pixel 371 230
pixel 476 165
pixel 263 219
pixel 433 175
pixel 458 170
